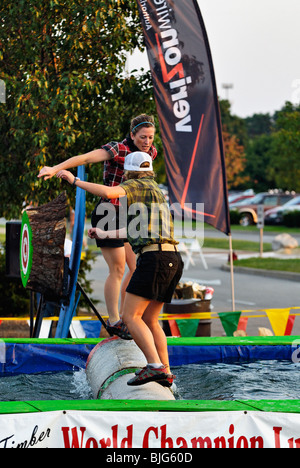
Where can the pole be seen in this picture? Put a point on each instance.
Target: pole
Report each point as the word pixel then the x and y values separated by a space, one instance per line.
pixel 91 305
pixel 260 226
pixel 231 272
pixel 67 311
pixel 261 242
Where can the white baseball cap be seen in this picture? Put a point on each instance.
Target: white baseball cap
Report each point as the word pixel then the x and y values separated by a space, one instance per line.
pixel 134 161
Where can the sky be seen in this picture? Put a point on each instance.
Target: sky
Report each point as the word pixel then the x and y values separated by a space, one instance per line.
pixel 255 46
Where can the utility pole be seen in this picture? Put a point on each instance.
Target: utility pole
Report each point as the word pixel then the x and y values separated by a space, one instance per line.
pixel 227 87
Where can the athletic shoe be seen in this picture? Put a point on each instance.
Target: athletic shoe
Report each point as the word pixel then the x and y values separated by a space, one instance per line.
pixel 168 382
pixel 118 329
pixel 149 374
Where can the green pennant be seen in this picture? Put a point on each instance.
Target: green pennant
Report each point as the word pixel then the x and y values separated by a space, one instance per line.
pixel 230 321
pixel 188 327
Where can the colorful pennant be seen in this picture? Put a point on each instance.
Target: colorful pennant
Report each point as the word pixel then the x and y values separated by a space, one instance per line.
pixel 278 319
pixel 230 321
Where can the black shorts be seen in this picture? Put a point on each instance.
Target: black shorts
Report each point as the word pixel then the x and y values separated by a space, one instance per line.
pixel 115 221
pixel 156 276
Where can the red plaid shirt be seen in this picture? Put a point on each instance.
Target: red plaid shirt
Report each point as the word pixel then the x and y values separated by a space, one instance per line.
pixel 114 167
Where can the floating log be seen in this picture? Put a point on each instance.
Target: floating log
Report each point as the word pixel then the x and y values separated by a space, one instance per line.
pixel 43 235
pixel 109 367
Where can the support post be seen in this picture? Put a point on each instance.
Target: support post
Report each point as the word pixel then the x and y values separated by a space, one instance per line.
pixel 67 311
pixel 232 272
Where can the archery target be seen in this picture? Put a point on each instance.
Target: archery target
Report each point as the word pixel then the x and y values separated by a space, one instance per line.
pixel 25 250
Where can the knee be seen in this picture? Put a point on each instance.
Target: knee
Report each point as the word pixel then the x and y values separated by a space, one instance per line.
pixel 129 316
pixel 152 324
pixel 117 270
pixel 131 263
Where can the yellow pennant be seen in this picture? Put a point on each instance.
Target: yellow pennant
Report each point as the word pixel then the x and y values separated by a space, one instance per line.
pixel 278 319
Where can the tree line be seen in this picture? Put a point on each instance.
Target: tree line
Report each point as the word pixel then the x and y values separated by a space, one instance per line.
pixel 266 153
pixel 67 93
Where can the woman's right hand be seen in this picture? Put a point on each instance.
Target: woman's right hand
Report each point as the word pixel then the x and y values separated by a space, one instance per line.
pixel 47 172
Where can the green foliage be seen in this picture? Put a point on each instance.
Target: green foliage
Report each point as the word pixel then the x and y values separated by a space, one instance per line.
pixel 272 147
pixel 285 148
pixel 292 219
pixel 63 64
pixel 15 299
pixel 259 124
pixel 258 162
pixel 235 217
pixel 233 124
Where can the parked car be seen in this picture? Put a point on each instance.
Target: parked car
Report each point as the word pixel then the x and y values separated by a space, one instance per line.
pixel 268 199
pixel 235 197
pixel 276 215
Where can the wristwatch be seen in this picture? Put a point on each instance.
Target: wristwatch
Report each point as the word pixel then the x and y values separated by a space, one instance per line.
pixel 74 181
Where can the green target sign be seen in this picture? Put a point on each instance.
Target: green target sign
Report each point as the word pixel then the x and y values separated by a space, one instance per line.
pixel 26 249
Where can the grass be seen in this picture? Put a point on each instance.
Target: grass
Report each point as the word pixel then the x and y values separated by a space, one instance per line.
pixel 247 246
pixel 275 264
pixel 276 229
pixel 237 228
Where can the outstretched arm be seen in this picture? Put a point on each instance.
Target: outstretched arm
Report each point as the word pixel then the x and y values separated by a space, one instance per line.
pixel 95 189
pixel 96 156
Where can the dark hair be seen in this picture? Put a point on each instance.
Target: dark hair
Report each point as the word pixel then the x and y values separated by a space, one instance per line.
pixel 141 121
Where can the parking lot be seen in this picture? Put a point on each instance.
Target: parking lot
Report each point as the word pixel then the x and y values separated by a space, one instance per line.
pixel 251 292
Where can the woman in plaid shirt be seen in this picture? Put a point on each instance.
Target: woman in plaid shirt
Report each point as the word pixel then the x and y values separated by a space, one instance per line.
pixel 116 252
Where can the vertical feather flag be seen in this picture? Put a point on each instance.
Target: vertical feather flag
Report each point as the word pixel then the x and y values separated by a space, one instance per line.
pixel 188 108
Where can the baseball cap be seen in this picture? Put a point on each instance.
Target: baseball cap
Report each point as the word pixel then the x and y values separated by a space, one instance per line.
pixel 134 161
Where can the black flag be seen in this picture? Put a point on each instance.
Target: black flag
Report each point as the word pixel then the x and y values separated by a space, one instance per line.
pixel 187 106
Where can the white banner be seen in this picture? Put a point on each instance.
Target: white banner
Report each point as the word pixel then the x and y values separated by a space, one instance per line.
pixel 126 430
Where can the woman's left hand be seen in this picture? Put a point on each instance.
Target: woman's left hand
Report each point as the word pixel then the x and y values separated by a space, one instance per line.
pixel 66 175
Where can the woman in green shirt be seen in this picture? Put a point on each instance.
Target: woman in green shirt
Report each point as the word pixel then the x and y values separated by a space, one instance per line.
pixel 159 264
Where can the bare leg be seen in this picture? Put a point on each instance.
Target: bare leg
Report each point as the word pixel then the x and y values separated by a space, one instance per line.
pixel 115 259
pixel 150 317
pixel 131 263
pixel 134 309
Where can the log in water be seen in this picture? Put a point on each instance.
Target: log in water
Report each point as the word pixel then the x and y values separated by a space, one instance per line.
pixel 109 367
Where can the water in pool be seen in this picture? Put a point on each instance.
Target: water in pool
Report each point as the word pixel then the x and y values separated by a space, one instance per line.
pixel 46 386
pixel 263 380
pixel 268 380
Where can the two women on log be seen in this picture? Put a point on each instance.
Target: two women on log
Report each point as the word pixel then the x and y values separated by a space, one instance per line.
pixel 150 231
pixel 116 252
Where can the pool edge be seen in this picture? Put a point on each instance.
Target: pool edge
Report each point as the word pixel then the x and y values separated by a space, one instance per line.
pixel 274 406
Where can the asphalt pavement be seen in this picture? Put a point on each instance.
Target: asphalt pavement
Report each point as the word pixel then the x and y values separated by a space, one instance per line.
pixel 251 292
pixel 246 235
